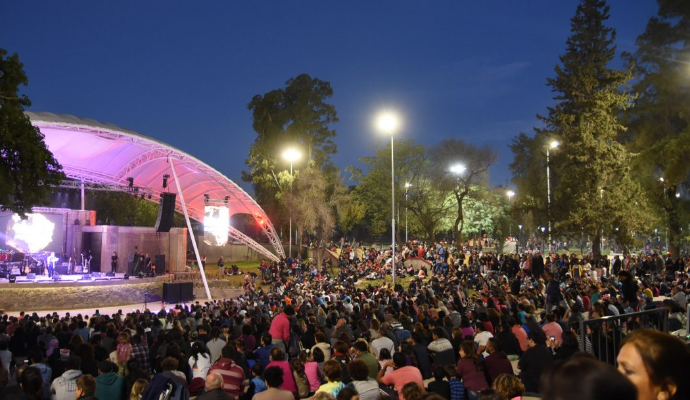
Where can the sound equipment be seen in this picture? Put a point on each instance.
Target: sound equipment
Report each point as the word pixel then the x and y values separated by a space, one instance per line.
pixel 178 292
pixel 110 273
pixel 132 260
pixel 171 293
pixel 30 276
pixel 86 277
pixel 186 292
pixel 15 271
pixel 160 264
pixel 56 277
pixel 96 274
pixel 62 269
pixel 13 278
pixel 165 213
pixel 130 257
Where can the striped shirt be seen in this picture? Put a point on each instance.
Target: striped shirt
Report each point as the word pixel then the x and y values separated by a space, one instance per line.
pixel 233 376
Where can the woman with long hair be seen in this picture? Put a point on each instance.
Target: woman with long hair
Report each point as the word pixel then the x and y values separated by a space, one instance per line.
pixel 471 370
pixel 200 361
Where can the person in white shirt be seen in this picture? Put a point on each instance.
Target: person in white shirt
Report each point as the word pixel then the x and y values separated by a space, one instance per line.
pixel 215 345
pixel 481 338
pixel 382 342
pixel 200 361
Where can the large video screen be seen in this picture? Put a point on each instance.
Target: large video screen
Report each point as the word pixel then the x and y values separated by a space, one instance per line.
pixel 39 232
pixel 216 225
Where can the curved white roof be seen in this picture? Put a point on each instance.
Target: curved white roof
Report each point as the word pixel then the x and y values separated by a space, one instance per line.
pixel 96 152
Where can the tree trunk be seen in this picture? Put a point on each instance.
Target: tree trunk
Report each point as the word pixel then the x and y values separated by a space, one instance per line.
pixel 459 224
pixel 596 246
pixel 299 239
pixel 673 223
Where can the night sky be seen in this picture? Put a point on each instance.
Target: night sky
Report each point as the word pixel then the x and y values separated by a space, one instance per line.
pixel 184 71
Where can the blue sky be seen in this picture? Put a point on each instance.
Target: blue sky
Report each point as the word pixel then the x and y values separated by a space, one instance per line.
pixel 183 71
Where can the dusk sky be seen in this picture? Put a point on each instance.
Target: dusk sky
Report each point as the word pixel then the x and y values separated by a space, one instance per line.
pixel 183 71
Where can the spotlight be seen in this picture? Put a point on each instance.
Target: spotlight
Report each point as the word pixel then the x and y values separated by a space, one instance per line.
pixel 13 278
pixel 126 276
pixel 227 198
pixel 130 180
pixel 206 198
pixel 165 180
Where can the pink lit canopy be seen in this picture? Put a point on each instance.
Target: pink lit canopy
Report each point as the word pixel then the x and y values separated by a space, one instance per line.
pixel 95 152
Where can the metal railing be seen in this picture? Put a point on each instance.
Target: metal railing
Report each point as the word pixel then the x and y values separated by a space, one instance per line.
pixel 606 334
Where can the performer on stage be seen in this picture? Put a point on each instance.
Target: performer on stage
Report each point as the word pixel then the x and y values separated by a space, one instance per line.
pixel 147 264
pixel 113 263
pixel 51 264
pixel 87 265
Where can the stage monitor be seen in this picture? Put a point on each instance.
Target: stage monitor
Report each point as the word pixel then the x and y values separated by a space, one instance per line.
pixel 39 232
pixel 216 225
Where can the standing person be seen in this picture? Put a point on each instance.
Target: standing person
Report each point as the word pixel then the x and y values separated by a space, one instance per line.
pixel 124 352
pixel 280 329
pixel 215 345
pixel 553 292
pixel 221 266
pixel 113 262
pixel 200 361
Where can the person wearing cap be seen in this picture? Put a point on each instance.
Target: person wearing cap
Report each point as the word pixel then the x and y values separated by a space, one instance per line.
pixel 109 385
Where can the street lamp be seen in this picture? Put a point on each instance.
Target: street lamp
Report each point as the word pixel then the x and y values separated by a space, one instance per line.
pixel 457 169
pixel 551 145
pixel 388 122
pixel 519 236
pixel 291 155
pixel 407 186
pixel 510 195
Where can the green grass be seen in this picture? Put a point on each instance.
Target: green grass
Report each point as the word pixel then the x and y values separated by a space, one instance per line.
pixel 405 282
pixel 212 276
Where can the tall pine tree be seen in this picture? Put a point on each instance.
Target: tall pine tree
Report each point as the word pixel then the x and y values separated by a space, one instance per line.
pixel 591 178
pixel 660 121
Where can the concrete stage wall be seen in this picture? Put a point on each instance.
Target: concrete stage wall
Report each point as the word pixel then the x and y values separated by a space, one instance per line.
pixel 123 240
pixel 79 295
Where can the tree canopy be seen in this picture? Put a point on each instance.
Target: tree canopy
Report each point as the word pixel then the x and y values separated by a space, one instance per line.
pixel 27 168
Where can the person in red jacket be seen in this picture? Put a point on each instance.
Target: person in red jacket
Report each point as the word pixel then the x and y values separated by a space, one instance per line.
pixel 280 328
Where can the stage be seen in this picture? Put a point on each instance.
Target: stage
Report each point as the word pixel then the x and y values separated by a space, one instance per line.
pixel 72 291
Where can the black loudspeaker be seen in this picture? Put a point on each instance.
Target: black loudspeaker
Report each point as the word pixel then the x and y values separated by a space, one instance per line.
pixel 56 277
pixel 131 263
pixel 110 273
pixel 160 264
pixel 165 213
pixel 171 293
pixel 30 275
pixel 13 278
pixel 186 292
pixel 130 257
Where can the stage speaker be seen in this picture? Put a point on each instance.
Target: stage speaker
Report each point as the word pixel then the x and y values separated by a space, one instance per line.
pixel 131 263
pixel 160 264
pixel 56 277
pixel 96 274
pixel 13 278
pixel 86 277
pixel 165 213
pixel 186 292
pixel 171 293
pixel 130 257
pixel 110 273
pixel 31 276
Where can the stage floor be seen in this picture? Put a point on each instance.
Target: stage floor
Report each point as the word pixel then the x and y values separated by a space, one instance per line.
pixel 72 280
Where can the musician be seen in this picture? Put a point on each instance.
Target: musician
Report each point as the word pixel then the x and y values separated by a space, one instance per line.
pixel 51 264
pixel 113 262
pixel 147 264
pixel 87 265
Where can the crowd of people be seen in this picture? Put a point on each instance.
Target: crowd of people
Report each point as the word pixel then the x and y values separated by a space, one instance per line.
pixel 463 326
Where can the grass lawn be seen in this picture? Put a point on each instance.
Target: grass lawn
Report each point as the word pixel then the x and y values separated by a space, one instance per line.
pixel 231 280
pixel 405 282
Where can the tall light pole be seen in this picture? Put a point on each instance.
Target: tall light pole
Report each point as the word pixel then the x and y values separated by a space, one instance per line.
pixel 457 169
pixel 551 145
pixel 407 186
pixel 388 122
pixel 291 155
pixel 510 195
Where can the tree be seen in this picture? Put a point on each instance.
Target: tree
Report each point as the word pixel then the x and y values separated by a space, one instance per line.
pixel 659 124
pixel 312 208
pixel 457 167
pixel 373 192
pixel 297 115
pixel 28 169
pixel 592 179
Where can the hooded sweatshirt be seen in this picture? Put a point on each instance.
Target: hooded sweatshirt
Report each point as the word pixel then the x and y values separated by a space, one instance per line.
pixel 109 386
pixel 64 387
pixel 46 373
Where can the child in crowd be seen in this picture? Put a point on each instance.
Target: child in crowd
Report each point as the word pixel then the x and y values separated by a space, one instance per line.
pixel 334 373
pixel 301 380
